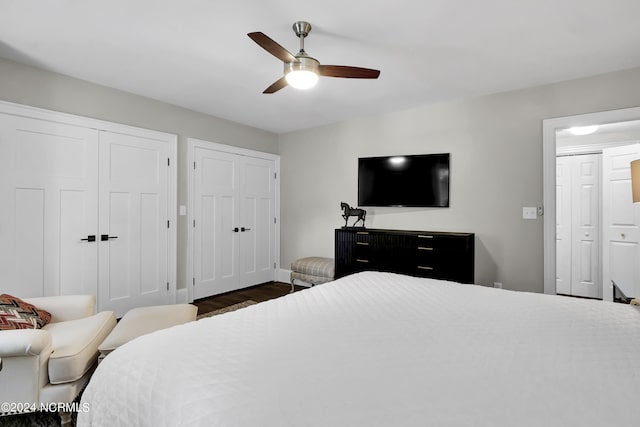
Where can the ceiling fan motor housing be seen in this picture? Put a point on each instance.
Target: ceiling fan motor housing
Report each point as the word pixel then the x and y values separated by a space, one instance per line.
pixel 306 63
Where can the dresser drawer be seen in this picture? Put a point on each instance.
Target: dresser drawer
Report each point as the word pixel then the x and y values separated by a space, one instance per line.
pixel 441 243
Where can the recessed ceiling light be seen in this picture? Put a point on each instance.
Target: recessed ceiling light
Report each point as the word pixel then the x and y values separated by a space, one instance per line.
pixel 583 130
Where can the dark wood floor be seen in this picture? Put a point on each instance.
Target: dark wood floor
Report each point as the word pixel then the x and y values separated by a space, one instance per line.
pixel 258 293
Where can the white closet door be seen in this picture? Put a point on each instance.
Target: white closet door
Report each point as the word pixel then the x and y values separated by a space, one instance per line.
pixel 215 222
pixel 563 225
pixel 621 219
pixel 133 240
pixel 48 189
pixel 585 213
pixel 234 230
pixel 257 213
pixel 578 182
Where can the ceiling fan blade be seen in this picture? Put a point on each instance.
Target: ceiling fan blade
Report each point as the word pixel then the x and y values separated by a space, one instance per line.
pixel 272 47
pixel 276 86
pixel 348 72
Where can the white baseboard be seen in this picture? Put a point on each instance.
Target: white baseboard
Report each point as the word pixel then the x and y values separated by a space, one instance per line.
pixel 182 296
pixel 284 276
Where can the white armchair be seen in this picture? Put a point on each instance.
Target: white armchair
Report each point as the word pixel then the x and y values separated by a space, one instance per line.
pixel 52 364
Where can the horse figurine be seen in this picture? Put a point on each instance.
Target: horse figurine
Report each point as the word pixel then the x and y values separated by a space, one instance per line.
pixel 348 211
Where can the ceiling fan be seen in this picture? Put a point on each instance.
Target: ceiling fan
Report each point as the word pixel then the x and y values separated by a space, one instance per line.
pixel 302 71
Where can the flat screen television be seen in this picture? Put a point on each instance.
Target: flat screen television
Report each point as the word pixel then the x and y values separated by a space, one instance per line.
pixel 412 181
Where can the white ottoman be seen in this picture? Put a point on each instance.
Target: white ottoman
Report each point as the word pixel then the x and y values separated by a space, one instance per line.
pixel 143 320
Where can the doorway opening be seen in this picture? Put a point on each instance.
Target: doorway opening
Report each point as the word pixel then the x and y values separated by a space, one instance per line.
pixel 602 243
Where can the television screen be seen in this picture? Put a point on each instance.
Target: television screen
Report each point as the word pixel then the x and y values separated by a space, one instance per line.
pixel 412 181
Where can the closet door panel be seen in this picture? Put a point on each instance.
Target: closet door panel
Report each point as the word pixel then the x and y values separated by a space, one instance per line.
pixel 29 242
pixel 257 189
pixel 152 243
pixel 586 183
pixel 74 253
pixel 133 222
pixel 48 184
pixel 621 223
pixel 117 253
pixel 215 219
pixel 228 249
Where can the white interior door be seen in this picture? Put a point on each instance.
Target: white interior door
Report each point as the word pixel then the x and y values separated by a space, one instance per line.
pixel 563 224
pixel 216 237
pixel 578 225
pixel 257 214
pixel 134 227
pixel 585 223
pixel 234 211
pixel 48 189
pixel 621 219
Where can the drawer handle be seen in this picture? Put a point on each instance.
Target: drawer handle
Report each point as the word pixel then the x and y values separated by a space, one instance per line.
pixel 423 236
pixel 362 243
pixel 422 267
pixel 424 248
pixel 362 260
pixel 362 232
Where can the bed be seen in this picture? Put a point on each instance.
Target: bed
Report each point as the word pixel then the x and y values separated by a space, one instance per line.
pixel 381 349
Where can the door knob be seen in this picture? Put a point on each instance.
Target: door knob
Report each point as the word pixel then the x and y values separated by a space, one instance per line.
pixel 105 237
pixel 90 238
pixel 236 229
pixel 244 229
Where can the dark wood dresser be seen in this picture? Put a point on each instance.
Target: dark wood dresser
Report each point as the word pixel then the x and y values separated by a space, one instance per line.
pixel 438 255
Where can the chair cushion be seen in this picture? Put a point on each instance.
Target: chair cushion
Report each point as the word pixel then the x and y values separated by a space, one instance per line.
pixel 18 314
pixel 75 345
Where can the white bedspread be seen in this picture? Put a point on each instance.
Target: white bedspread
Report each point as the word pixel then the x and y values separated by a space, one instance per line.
pixel 379 349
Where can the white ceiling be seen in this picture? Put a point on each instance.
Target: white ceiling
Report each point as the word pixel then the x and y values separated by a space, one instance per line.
pixel 196 54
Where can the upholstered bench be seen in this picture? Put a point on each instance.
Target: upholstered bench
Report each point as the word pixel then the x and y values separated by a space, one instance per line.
pixel 144 320
pixel 313 270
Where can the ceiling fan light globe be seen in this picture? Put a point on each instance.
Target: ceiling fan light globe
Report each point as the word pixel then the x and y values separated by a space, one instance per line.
pixel 302 74
pixel 302 79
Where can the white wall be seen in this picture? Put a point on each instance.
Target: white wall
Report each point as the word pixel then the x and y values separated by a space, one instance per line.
pixel 31 86
pixel 495 142
pixel 496 168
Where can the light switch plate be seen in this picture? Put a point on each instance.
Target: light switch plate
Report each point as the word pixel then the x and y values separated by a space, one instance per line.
pixel 183 210
pixel 529 212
